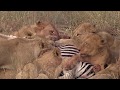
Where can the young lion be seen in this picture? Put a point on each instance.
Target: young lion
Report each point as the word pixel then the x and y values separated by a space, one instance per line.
pixel 43 67
pixel 94 49
pixel 43 29
pixel 113 43
pixel 84 28
pixel 81 29
pixel 15 53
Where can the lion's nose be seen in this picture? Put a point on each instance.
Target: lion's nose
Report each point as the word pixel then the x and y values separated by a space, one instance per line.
pixel 105 65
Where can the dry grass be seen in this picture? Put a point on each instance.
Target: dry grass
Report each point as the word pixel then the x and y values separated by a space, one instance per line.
pixel 65 20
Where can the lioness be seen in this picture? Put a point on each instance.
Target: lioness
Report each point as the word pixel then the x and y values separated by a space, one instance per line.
pixel 44 29
pixel 81 29
pixel 113 43
pixel 7 74
pixel 15 53
pixel 84 28
pixel 43 67
pixel 94 49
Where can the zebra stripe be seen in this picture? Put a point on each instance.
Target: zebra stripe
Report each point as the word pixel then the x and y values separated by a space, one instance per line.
pixel 83 70
pixel 68 50
pixel 67 75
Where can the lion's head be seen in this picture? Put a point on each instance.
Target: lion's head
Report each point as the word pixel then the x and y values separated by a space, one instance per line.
pixel 84 28
pixel 46 29
pixel 43 29
pixel 90 44
pixel 108 37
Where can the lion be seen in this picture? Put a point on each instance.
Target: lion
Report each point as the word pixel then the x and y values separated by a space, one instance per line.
pixel 94 49
pixel 49 63
pixel 81 29
pixel 15 53
pixel 45 66
pixel 43 29
pixel 84 28
pixel 25 32
pixel 107 36
pixel 113 43
pixel 29 71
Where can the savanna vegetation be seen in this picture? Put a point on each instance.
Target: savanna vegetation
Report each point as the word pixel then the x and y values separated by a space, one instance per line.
pixel 64 20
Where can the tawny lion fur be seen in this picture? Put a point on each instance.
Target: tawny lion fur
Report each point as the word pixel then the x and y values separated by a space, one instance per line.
pixel 81 29
pixel 84 28
pixel 43 29
pixel 45 67
pixel 113 43
pixel 94 49
pixel 15 53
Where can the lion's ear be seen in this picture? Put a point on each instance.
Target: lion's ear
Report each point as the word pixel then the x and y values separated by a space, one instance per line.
pixel 39 26
pixel 38 23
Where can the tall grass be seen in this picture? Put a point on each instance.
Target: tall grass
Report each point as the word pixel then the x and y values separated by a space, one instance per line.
pixel 65 20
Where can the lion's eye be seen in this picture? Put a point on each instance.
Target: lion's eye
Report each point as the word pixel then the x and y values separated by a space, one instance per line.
pixel 29 34
pixel 78 34
pixel 51 32
pixel 102 41
pixel 112 34
pixel 93 32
